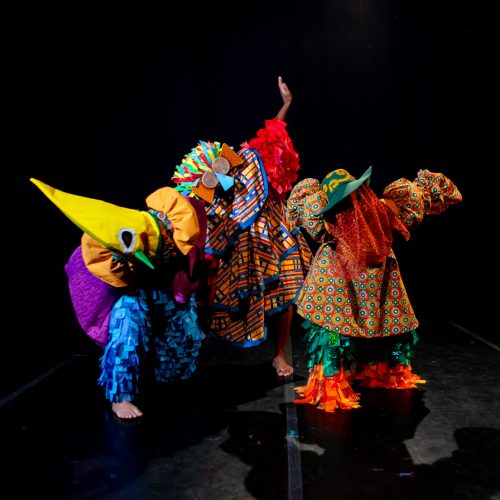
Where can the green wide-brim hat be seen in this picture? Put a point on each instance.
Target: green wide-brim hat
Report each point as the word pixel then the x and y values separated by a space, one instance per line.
pixel 339 184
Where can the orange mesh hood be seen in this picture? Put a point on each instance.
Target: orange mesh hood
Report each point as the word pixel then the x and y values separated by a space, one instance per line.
pixel 363 233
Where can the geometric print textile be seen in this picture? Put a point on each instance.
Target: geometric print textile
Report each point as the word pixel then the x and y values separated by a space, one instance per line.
pixel 373 304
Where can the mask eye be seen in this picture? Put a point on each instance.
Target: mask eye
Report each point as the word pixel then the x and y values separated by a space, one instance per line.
pixel 221 165
pixel 127 239
pixel 209 180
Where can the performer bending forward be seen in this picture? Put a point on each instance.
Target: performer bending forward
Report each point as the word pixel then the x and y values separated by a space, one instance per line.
pixel 360 325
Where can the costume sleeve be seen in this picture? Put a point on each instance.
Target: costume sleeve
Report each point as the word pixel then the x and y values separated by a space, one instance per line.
pixel 101 262
pixel 304 201
pixel 276 150
pixel 430 193
pixel 181 214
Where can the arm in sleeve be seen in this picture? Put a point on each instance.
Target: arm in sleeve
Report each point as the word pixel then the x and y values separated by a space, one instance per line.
pixel 430 193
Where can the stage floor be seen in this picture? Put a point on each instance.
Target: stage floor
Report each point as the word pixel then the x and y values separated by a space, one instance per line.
pixel 233 432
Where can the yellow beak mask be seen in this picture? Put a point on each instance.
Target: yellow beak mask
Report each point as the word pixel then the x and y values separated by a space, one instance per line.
pixel 124 230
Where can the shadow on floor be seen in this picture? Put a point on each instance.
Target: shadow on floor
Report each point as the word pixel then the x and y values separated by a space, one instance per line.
pixel 64 442
pixel 223 434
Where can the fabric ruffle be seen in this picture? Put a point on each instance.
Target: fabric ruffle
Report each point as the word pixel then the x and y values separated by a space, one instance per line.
pixel 382 375
pixel 440 191
pixel 326 348
pixel 174 212
pixel 305 200
pixel 327 393
pixel 129 334
pixel 281 161
pixel 336 361
pixel 142 322
pixel 259 263
pixel 261 275
pixel 430 193
pixel 385 363
pixel 177 338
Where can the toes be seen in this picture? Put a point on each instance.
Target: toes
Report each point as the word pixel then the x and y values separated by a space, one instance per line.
pixel 284 373
pixel 126 410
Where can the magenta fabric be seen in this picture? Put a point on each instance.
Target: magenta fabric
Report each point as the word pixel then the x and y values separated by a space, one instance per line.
pixel 185 280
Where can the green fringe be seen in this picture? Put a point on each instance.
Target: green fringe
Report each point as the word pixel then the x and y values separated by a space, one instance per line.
pixel 330 349
pixel 402 352
pixel 327 348
pixel 394 350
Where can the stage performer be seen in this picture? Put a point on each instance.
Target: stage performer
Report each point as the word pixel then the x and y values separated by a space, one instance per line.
pixel 360 327
pixel 258 264
pixel 133 282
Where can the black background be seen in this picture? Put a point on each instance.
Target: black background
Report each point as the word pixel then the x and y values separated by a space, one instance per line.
pixel 105 101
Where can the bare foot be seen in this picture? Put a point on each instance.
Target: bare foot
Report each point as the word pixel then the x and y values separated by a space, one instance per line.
pixel 283 369
pixel 125 409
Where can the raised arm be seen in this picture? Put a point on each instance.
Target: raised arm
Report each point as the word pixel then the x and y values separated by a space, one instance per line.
pixel 286 95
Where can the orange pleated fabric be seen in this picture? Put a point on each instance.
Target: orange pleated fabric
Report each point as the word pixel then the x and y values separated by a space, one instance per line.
pixel 327 393
pixel 383 376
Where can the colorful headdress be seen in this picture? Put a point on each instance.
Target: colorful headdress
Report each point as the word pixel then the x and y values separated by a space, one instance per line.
pixel 205 168
pixel 120 229
pixel 339 184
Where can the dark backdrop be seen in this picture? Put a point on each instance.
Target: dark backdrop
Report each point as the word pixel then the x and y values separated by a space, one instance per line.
pixel 104 102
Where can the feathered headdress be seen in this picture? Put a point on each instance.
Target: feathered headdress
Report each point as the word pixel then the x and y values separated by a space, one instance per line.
pixel 205 168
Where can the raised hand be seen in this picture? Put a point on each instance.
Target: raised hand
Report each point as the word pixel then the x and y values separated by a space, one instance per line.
pixel 286 95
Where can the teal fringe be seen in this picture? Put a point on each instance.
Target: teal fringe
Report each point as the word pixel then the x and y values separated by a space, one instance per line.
pixel 327 348
pixel 149 324
pixel 330 349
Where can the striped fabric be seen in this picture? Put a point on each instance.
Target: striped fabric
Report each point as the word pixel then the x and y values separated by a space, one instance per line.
pixel 237 210
pixel 260 267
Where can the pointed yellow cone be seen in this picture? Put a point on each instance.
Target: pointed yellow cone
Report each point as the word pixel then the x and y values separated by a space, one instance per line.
pixel 121 229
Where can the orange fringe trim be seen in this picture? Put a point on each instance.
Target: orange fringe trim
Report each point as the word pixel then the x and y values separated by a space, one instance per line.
pixel 327 393
pixel 382 375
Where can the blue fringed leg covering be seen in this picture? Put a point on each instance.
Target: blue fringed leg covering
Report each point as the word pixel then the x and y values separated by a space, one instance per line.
pixel 177 337
pixel 129 333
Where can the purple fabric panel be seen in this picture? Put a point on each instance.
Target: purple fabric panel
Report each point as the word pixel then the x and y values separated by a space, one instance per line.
pixel 92 298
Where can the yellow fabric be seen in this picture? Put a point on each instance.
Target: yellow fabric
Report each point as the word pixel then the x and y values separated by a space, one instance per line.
pixel 104 221
pixel 180 212
pixel 99 261
pixel 103 225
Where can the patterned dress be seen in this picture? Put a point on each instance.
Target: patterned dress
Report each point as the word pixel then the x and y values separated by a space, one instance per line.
pixel 361 328
pixel 260 259
pixel 260 263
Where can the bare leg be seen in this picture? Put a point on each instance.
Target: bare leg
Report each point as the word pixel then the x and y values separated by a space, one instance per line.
pixel 281 324
pixel 126 410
